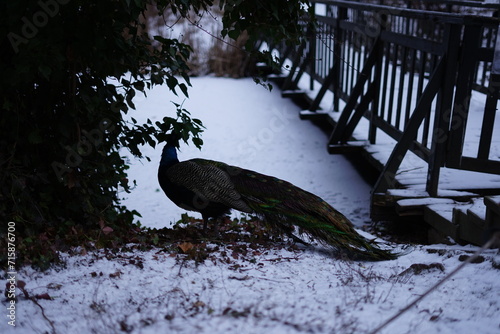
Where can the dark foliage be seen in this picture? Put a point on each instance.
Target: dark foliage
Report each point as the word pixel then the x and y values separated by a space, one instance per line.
pixel 70 72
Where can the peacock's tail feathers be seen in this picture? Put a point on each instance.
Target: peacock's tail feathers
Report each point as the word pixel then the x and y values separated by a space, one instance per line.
pixel 283 204
pixel 332 230
pixel 280 203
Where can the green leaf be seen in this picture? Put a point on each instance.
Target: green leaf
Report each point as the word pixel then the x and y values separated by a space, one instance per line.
pixel 139 85
pixel 198 142
pixel 129 97
pixel 184 89
pixel 35 137
pixel 45 71
pixel 234 34
pixel 172 83
pixel 59 91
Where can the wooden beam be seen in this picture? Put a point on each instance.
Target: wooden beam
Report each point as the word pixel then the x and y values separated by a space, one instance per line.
pixel 387 177
pixel 338 134
pixel 437 158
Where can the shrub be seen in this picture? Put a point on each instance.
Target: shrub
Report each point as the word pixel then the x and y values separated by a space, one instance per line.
pixel 70 71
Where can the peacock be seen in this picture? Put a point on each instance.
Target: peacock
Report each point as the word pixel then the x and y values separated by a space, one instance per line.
pixel 213 188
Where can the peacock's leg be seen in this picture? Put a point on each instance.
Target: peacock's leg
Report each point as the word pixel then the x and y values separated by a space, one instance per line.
pixel 216 226
pixel 205 223
pixel 296 239
pixel 289 232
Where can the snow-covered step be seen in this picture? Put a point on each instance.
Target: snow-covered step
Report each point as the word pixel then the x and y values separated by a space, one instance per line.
pixel 293 93
pixel 316 115
pixel 462 221
pixel 416 206
pixel 299 97
pixel 396 195
pixel 492 204
pixel 348 147
pixel 471 221
pixel 477 212
pixel 460 215
pixel 271 73
pixel 440 217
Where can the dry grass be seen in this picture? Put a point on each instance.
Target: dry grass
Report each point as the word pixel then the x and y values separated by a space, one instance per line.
pixel 212 54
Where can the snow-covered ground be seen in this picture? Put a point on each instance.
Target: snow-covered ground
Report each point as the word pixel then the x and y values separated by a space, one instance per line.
pixel 278 290
pixel 250 127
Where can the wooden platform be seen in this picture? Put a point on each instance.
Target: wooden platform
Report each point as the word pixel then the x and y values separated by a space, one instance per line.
pixel 467 210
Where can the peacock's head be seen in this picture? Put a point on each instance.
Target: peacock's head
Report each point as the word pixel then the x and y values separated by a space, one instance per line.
pixel 169 154
pixel 173 139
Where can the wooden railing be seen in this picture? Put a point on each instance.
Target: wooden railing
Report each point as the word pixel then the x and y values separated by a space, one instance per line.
pixel 411 73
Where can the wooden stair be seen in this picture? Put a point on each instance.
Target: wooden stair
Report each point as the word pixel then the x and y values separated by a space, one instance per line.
pixel 465 219
pixel 466 215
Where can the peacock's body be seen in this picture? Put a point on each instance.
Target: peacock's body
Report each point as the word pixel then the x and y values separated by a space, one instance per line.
pixel 214 188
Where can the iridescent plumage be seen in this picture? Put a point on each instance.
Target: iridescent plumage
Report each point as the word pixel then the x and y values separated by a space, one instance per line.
pixel 214 188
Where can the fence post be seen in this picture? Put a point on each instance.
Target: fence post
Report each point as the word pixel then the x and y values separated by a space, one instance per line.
pixel 440 136
pixel 387 178
pixel 372 131
pixel 311 31
pixel 295 63
pixel 337 51
pixel 465 79
pixel 490 108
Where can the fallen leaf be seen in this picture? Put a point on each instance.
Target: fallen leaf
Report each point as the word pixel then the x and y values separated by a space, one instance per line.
pixel 238 278
pixel 20 284
pixel 198 303
pixel 116 274
pixel 54 286
pixel 185 247
pixel 107 230
pixel 43 296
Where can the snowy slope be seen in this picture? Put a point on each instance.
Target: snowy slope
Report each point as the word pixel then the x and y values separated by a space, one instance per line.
pixel 276 290
pixel 250 127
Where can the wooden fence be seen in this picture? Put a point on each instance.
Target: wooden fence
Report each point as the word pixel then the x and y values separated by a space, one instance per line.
pixel 410 73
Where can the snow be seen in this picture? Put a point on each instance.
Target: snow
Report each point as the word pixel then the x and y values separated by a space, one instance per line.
pixel 278 290
pixel 424 201
pixel 250 127
pixel 450 179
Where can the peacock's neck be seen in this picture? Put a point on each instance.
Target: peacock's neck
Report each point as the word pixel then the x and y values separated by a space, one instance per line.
pixel 169 156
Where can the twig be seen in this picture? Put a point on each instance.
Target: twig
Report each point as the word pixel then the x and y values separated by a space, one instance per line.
pixel 282 258
pixel 44 315
pixel 33 299
pixel 471 258
pixel 199 26
pixel 180 267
